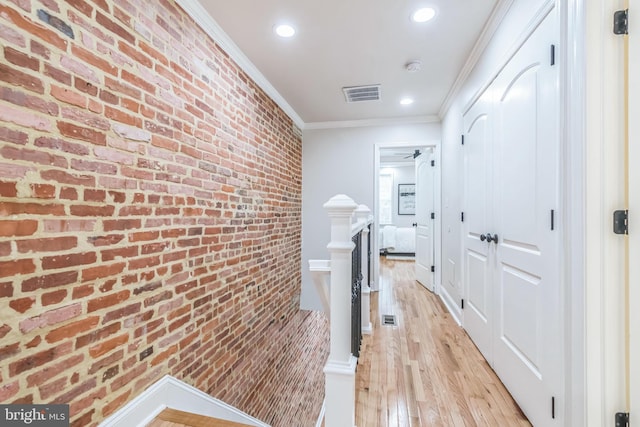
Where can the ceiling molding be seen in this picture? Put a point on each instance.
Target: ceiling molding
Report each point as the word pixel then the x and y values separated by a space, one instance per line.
pixel 204 20
pixel 373 122
pixel 497 15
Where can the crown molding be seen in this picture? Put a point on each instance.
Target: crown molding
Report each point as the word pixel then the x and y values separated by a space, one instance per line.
pixel 205 21
pixel 497 15
pixel 373 122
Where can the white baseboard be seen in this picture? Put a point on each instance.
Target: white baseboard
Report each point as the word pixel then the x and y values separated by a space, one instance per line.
pixel 320 416
pixel 170 392
pixel 454 309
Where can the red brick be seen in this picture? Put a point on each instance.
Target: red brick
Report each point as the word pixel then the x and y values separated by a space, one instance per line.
pixel 20 78
pixel 11 268
pixel 114 27
pixel 6 289
pixel 49 281
pixel 54 297
pixel 92 211
pixel 52 371
pixel 25 227
pixel 21 305
pixel 37 360
pixel 96 61
pixel 53 244
pixel 8 390
pixel 72 329
pixel 68 260
pixel 84 134
pixel 57 74
pixel 102 271
pixel 20 59
pixel 43 191
pixel 82 6
pixel 39 49
pixel 68 96
pixel 13 136
pixel 108 345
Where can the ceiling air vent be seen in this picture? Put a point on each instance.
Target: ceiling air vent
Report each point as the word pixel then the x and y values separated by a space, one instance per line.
pixel 362 93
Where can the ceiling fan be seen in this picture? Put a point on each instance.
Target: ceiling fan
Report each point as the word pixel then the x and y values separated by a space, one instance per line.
pixel 415 154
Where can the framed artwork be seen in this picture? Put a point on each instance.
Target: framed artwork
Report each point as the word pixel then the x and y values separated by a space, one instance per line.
pixel 406 199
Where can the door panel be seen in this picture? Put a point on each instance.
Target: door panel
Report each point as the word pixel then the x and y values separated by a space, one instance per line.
pixel 477 318
pixel 527 355
pixel 425 225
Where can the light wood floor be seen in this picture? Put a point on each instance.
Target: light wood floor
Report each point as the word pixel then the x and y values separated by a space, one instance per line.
pixel 425 371
pixel 174 418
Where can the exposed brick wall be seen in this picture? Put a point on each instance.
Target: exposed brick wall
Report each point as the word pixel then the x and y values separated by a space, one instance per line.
pixel 150 217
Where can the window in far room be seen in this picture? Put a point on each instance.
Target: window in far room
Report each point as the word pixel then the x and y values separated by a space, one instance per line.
pixel 386 198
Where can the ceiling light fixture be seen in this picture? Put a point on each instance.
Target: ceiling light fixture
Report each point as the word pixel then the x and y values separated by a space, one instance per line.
pixel 423 15
pixel 284 30
pixel 413 66
pixel 406 101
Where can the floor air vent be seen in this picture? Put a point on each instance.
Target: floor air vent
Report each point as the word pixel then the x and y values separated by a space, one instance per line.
pixel 362 93
pixel 389 320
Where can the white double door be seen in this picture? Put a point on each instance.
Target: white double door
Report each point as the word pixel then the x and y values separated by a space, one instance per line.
pixel 511 230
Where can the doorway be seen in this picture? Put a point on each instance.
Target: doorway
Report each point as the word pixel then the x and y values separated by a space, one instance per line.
pixel 396 162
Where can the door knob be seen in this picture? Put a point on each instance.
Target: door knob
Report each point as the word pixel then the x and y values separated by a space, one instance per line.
pixel 493 238
pixel 483 237
pixel 415 224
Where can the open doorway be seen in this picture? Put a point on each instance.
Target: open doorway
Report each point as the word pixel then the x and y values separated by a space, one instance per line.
pixel 406 212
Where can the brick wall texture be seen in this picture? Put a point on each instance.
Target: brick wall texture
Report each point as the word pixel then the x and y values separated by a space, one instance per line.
pixel 150 217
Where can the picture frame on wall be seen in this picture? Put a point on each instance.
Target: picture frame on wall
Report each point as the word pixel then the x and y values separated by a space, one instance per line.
pixel 406 199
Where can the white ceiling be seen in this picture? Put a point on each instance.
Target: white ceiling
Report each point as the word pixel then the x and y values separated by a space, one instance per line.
pixel 355 42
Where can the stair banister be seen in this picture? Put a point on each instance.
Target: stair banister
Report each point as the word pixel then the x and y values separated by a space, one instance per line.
pixel 363 214
pixel 341 364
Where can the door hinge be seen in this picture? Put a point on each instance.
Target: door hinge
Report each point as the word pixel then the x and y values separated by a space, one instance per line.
pixel 433 215
pixel 621 22
pixel 433 162
pixel 461 216
pixel 622 419
pixel 553 55
pixel 433 268
pixel 462 138
pixel 462 304
pixel 553 407
pixel 621 222
pixel 553 215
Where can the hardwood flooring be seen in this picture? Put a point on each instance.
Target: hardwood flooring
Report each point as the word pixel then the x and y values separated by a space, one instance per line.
pixel 425 371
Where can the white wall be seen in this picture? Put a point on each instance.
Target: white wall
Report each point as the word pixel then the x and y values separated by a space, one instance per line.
pixel 341 161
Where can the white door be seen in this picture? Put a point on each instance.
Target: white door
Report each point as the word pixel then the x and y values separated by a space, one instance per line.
pixel 633 175
pixel 512 234
pixel 424 221
pixel 478 180
pixel 528 346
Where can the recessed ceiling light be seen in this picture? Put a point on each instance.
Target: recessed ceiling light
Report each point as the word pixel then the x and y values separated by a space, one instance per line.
pixel 406 101
pixel 423 15
pixel 284 30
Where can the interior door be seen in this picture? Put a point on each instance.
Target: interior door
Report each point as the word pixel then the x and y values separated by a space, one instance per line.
pixel 527 350
pixel 477 269
pixel 424 221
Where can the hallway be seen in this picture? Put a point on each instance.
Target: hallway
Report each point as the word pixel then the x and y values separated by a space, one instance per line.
pixel 425 371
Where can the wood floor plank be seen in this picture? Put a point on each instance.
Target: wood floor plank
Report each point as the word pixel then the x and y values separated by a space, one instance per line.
pixel 425 371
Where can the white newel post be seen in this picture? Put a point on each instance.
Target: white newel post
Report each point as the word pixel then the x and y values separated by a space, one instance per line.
pixel 363 214
pixel 340 370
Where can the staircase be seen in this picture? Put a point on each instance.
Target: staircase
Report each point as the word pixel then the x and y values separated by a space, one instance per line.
pixel 175 418
pixel 173 403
